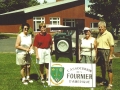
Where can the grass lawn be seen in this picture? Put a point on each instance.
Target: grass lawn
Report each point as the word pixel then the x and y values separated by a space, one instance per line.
pixel 10 78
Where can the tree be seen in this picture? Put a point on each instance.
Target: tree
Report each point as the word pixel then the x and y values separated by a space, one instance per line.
pixel 109 9
pixel 44 2
pixel 11 5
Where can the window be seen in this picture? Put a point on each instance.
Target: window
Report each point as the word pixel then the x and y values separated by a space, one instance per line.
pixel 69 22
pixel 37 21
pixel 54 21
pixel 94 25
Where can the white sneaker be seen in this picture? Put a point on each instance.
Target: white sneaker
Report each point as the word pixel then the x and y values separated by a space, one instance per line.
pixel 43 80
pixel 109 87
pixel 29 80
pixel 25 82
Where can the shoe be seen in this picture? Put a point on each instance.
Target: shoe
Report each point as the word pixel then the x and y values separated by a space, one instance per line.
pixel 102 83
pixel 29 80
pixel 25 82
pixel 47 80
pixel 43 80
pixel 109 87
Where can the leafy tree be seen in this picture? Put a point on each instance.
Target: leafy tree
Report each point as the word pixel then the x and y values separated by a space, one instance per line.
pixel 10 5
pixel 44 2
pixel 109 9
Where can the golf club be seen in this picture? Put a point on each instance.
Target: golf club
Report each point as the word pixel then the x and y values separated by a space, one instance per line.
pixel 38 73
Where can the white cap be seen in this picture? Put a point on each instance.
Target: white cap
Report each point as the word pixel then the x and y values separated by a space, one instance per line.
pixel 86 28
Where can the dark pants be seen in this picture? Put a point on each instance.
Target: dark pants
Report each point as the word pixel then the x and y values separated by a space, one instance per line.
pixel 103 61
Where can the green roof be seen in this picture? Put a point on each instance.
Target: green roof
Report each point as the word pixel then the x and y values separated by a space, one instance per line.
pixel 39 7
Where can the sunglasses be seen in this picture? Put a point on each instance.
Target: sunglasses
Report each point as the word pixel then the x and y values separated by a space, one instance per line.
pixel 26 28
pixel 86 30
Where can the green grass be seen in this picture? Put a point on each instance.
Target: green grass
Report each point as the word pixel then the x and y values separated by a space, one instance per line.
pixel 10 78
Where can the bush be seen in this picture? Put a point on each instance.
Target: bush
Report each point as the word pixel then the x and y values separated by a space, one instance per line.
pixel 94 35
pixel 117 37
pixel 94 32
pixel 3 36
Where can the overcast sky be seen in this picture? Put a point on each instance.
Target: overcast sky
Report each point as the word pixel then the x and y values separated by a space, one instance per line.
pixel 50 1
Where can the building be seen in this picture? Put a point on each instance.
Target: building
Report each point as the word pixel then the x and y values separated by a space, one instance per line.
pixel 62 12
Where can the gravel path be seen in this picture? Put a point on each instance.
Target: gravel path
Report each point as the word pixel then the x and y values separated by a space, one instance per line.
pixel 7 45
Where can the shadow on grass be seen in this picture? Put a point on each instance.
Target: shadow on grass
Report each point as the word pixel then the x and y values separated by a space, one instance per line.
pixel 99 80
pixel 34 76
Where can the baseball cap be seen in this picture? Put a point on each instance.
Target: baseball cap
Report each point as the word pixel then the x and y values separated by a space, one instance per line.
pixel 86 28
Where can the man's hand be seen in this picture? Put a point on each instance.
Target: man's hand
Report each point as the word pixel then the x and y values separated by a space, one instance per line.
pixel 110 57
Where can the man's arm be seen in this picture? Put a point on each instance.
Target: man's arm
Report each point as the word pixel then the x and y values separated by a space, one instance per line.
pixel 111 52
pixel 111 41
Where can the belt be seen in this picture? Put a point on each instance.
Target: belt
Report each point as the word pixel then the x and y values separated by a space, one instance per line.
pixel 102 49
pixel 44 48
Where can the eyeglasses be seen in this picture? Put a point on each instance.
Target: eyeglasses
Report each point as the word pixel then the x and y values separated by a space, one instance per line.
pixel 26 28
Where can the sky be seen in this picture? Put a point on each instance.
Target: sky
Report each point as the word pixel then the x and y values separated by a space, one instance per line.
pixel 86 5
pixel 50 1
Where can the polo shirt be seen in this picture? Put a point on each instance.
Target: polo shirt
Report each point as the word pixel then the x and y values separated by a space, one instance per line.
pixel 43 41
pixel 105 40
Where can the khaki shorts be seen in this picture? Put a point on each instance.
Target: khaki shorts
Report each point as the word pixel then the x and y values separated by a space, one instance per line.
pixel 103 58
pixel 22 59
pixel 44 56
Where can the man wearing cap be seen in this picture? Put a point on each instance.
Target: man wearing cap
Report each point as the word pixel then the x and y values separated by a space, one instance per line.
pixel 87 47
pixel 105 47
